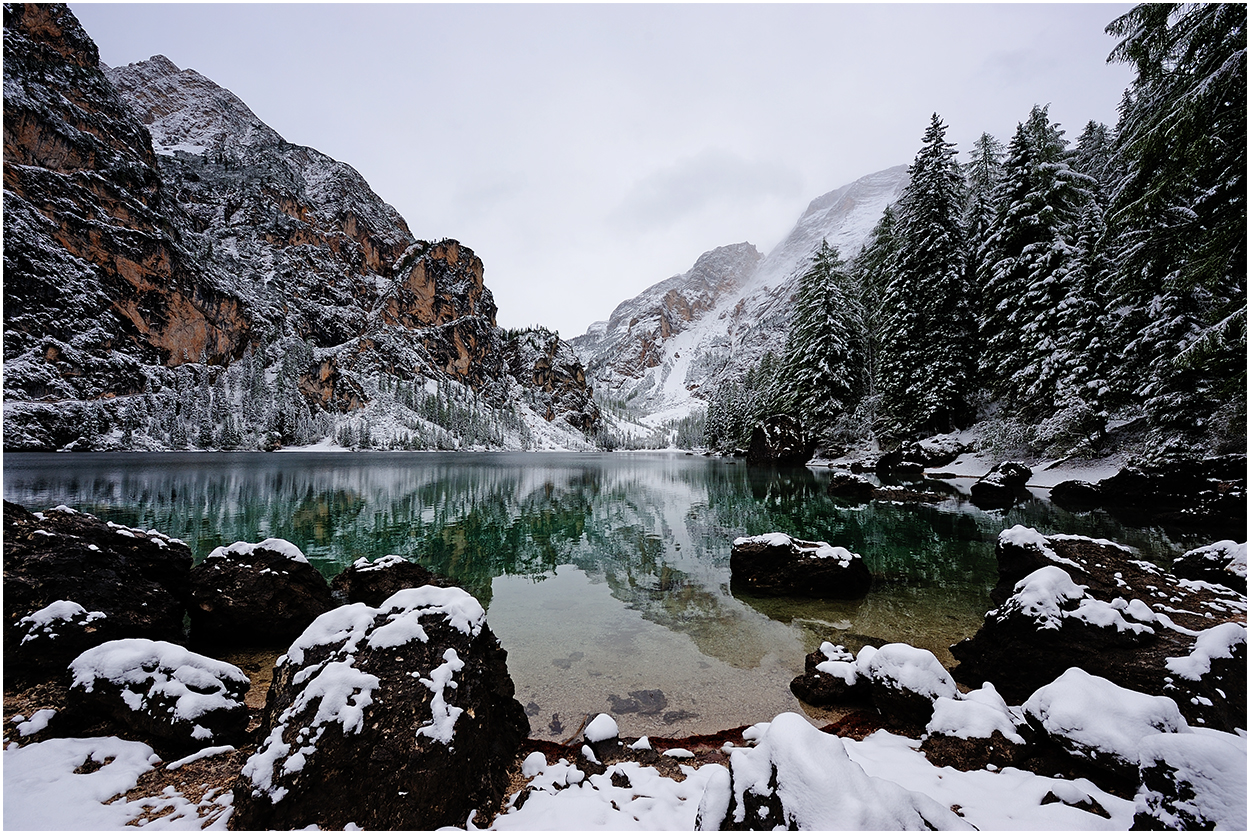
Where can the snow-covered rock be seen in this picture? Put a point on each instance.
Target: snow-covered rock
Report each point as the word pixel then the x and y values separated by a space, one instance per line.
pixel 255 594
pixel 1093 719
pixel 71 582
pixel 797 777
pixel 1192 782
pixel 162 691
pixel 830 676
pixel 978 714
pixel 1223 562
pixel 411 699
pixel 905 681
pixel 777 564
pixel 1071 601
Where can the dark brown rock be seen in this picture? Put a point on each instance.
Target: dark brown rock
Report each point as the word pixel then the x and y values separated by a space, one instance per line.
pixel 823 688
pixel 1077 496
pixel 373 582
pixel 850 487
pixel 1002 486
pixel 262 594
pixel 126 583
pixel 160 692
pixel 779 439
pixel 1104 628
pixel 972 753
pixel 1223 563
pixel 399 718
pixel 778 565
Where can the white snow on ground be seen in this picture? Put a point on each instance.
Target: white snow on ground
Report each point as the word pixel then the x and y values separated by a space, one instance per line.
pixel 42 791
pixel 1004 800
pixel 820 787
pixel 38 721
pixel 564 799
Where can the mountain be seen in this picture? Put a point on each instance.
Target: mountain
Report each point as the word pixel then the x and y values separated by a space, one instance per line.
pixel 663 351
pixel 157 234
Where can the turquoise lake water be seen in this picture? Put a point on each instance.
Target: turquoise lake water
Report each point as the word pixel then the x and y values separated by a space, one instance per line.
pixel 605 576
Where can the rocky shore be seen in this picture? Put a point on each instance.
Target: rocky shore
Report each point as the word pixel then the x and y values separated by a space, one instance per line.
pixel 1101 691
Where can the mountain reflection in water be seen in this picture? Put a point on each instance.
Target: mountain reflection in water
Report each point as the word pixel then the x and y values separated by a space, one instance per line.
pixel 605 576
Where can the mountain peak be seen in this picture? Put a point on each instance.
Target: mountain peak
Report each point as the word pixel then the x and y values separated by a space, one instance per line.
pixel 186 112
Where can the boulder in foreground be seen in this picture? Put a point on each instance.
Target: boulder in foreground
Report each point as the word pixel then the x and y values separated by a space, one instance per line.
pixel 161 691
pixel 797 777
pixel 1070 601
pixel 396 717
pixel 777 565
pixel 255 594
pixel 72 581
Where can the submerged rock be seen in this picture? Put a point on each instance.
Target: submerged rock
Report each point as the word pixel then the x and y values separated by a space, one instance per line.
pixel 255 594
pixel 778 565
pixel 160 691
pixel 396 717
pixel 72 581
pixel 1071 601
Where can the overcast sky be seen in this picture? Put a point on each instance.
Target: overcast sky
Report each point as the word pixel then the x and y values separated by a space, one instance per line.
pixel 586 152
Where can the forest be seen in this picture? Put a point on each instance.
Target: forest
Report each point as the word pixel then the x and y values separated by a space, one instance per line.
pixel 1050 290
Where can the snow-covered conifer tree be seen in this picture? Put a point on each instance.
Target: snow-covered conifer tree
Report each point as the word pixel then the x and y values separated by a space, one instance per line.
pixel 1178 214
pixel 1027 257
pixel 821 365
pixel 927 354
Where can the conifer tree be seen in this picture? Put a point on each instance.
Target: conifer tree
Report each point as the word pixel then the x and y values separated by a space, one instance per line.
pixel 1027 258
pixel 929 340
pixel 821 359
pixel 871 271
pixel 1179 214
pixel 982 173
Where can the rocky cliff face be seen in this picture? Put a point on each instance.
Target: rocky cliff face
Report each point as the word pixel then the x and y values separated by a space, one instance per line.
pixel 664 350
pixel 152 221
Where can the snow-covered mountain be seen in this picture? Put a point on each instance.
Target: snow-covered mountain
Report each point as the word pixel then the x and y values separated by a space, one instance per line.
pixel 662 351
pixel 157 232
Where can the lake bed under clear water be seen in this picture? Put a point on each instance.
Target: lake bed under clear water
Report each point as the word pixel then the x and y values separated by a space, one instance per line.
pixel 605 576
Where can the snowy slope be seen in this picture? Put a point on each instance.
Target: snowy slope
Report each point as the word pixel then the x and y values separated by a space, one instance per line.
pixel 663 350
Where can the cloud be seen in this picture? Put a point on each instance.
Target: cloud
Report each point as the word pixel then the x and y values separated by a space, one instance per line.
pixel 711 180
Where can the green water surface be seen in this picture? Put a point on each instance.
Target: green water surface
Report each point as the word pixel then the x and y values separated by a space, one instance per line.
pixel 605 576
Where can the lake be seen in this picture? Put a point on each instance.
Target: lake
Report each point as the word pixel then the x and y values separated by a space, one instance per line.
pixel 605 576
